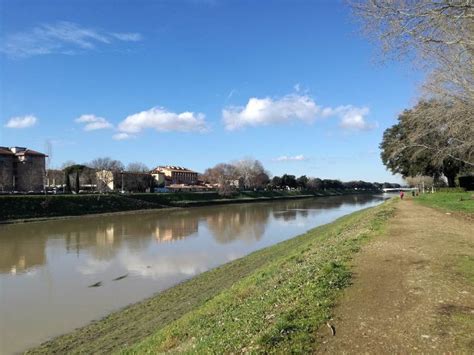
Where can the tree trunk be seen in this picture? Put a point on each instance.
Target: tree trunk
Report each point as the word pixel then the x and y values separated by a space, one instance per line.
pixel 77 182
pixel 68 183
pixel 451 177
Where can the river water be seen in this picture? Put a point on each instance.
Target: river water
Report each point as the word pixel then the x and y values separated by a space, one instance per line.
pixel 47 268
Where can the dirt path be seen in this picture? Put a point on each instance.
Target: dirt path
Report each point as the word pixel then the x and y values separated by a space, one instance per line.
pixel 413 289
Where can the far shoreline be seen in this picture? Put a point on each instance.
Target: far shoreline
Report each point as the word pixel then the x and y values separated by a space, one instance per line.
pixel 174 206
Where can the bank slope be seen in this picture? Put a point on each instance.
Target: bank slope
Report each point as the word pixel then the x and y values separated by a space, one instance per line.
pixel 271 300
pixel 279 307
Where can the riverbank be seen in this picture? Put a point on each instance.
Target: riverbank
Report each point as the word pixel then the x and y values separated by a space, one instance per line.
pixel 267 297
pixel 24 208
pixel 419 278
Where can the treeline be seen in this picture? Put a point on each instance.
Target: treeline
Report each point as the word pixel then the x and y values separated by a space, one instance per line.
pixel 73 177
pixel 250 174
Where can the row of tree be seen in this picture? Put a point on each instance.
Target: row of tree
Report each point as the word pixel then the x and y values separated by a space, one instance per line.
pixel 97 174
pixel 250 174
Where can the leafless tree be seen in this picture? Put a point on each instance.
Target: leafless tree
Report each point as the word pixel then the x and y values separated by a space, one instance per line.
pixel 436 34
pixel 252 173
pixel 105 169
pixel 137 167
pixel 444 129
pixel 224 175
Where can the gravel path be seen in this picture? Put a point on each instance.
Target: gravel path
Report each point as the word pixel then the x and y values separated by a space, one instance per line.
pixel 413 289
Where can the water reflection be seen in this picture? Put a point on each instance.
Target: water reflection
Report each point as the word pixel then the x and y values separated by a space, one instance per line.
pixel 23 246
pixel 46 268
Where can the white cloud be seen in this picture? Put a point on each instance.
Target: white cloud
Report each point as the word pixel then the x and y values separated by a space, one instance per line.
pixel 267 111
pixel 122 136
pixel 21 122
pixel 93 123
pixel 299 157
pixel 60 37
pixel 352 117
pixel 128 37
pixel 162 120
pixel 293 107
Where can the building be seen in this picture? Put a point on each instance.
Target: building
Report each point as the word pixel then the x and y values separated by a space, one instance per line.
pixel 21 169
pixel 172 175
pixel 108 180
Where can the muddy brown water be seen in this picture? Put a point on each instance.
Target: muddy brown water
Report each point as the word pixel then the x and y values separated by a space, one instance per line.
pixel 56 276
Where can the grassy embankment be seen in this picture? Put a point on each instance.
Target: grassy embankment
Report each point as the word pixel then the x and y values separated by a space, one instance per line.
pixel 462 202
pixel 37 206
pixel 271 300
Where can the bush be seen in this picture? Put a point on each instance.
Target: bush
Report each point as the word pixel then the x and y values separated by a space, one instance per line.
pixel 467 182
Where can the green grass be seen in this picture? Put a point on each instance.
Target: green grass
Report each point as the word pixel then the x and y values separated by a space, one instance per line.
pixel 278 307
pixel 449 201
pixel 271 300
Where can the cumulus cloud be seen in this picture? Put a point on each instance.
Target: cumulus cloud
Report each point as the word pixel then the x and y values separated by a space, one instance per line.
pixel 60 37
pixel 122 136
pixel 161 120
pixel 267 111
pixel 93 123
pixel 293 107
pixel 21 122
pixel 352 118
pixel 299 157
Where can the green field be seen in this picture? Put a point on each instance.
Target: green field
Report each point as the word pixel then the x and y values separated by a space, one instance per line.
pixel 449 201
pixel 272 300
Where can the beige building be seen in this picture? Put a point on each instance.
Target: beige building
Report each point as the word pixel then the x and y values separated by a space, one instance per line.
pixel 21 169
pixel 171 175
pixel 108 180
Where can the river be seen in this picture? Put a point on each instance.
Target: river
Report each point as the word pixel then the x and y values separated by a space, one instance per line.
pixel 47 268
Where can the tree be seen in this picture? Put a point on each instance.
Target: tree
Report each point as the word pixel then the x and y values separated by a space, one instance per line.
pixel 288 181
pixel 252 173
pixel 315 184
pixel 105 169
pixel 439 35
pixel 433 138
pixel 224 176
pixel 137 167
pixel 76 171
pixel 302 181
pixel 277 182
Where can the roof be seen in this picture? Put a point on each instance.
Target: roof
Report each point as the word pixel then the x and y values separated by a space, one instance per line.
pixel 173 168
pixel 31 152
pixel 5 151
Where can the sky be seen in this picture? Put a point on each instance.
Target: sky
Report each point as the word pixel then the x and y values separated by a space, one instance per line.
pixel 193 83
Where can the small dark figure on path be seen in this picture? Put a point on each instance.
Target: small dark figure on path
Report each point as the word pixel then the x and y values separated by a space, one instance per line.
pixel 413 193
pixel 402 194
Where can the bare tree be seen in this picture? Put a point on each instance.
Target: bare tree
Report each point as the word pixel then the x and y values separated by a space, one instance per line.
pixel 137 167
pixel 105 169
pixel 442 128
pixel 433 138
pixel 252 173
pixel 436 34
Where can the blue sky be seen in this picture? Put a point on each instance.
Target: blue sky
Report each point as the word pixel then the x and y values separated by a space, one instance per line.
pixel 195 83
